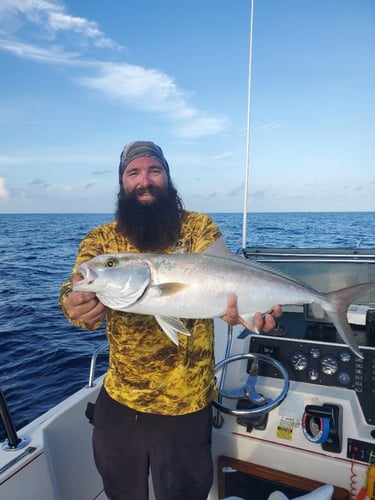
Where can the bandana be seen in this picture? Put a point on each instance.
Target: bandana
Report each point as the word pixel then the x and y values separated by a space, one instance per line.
pixel 139 149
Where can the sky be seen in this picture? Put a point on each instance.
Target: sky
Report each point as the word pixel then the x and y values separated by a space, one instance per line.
pixel 79 79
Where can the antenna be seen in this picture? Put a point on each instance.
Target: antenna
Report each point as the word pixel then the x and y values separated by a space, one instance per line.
pixel 248 126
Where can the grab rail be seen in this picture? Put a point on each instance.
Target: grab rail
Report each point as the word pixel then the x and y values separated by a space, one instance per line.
pixel 94 356
pixel 347 256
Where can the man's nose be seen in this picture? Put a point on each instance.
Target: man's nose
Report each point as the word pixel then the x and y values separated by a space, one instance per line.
pixel 145 179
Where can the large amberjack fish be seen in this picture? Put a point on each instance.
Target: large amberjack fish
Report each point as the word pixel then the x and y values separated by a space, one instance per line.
pixel 174 286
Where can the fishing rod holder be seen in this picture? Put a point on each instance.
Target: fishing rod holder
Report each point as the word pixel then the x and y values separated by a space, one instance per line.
pixel 12 442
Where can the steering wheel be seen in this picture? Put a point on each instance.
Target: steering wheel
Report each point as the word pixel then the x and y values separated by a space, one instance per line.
pixel 248 391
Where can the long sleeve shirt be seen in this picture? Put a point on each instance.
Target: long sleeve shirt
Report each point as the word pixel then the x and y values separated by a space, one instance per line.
pixel 147 371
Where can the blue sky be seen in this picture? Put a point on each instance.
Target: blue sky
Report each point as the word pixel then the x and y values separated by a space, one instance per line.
pixel 80 79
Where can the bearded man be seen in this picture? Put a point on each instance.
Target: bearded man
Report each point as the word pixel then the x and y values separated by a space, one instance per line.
pixel 154 409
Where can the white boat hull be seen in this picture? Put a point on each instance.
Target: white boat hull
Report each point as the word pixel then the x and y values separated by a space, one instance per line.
pixel 62 467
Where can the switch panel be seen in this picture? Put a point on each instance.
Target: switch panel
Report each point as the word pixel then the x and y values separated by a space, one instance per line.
pixel 361 451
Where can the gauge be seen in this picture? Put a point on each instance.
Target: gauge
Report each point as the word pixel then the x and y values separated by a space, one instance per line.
pixel 329 364
pixel 299 361
pixel 315 352
pixel 345 356
pixel 343 378
pixel 313 374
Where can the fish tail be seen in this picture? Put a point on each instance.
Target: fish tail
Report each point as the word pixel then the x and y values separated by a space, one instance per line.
pixel 336 306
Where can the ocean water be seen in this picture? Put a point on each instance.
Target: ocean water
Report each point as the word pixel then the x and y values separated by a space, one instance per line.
pixel 43 358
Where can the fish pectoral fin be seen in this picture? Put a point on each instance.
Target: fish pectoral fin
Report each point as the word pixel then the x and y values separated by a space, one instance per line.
pixel 171 327
pixel 164 289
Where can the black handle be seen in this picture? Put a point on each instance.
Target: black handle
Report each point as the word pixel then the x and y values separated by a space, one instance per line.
pixel 7 422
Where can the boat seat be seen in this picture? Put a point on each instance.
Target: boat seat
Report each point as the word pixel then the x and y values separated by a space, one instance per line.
pixel 322 493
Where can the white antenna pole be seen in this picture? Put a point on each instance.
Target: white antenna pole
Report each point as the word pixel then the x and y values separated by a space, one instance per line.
pixel 247 162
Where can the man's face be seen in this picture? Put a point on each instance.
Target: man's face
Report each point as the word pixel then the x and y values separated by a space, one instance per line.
pixel 141 176
pixel 148 207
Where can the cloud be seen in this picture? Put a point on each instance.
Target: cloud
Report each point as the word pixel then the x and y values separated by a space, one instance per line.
pixel 3 190
pixel 152 90
pixel 60 21
pixel 201 126
pixel 259 194
pixel 135 83
pixel 39 183
pixel 210 196
pixel 236 190
pixel 268 127
pixel 51 19
pixel 102 172
pixel 46 55
pixel 56 37
pixel 222 156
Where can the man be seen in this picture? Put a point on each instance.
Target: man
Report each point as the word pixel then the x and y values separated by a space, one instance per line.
pixel 154 410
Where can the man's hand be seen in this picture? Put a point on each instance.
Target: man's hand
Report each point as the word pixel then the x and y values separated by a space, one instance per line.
pixel 263 322
pixel 85 307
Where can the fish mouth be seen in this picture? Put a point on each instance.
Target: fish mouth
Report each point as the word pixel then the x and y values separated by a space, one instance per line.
pixel 89 277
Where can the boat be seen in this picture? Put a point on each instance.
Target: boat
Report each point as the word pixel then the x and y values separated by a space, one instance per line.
pixel 294 418
pixel 296 409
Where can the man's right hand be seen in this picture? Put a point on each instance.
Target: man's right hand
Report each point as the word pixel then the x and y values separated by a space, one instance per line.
pixel 85 307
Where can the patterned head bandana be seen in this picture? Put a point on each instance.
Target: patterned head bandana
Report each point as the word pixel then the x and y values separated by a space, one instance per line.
pixel 139 149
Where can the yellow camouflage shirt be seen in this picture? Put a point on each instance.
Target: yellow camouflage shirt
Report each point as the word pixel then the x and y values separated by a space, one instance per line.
pixel 147 371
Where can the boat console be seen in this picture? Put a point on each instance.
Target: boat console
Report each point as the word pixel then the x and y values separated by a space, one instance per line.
pixel 323 431
pixel 321 364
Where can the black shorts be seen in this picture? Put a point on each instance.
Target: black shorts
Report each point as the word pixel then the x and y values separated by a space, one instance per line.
pixel 177 449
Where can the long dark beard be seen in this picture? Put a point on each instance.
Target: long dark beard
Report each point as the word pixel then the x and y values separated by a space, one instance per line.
pixel 150 227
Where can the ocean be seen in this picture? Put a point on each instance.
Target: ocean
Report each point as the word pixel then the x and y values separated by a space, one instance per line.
pixel 43 358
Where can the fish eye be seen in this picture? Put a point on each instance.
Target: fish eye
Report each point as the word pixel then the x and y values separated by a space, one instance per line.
pixel 111 263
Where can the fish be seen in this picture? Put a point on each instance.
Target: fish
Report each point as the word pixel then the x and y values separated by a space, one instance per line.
pixel 197 285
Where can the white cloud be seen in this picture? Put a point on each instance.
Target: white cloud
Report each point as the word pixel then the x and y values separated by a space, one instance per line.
pixel 155 91
pixel 147 89
pixel 202 125
pixel 268 127
pixel 36 53
pixel 221 156
pixel 3 190
pixel 51 18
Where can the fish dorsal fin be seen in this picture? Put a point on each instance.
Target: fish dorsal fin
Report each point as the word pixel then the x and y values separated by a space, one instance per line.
pixel 220 249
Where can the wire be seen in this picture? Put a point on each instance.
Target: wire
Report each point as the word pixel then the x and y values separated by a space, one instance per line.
pixel 353 481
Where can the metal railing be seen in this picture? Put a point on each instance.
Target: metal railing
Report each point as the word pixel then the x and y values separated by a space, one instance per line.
pixel 94 357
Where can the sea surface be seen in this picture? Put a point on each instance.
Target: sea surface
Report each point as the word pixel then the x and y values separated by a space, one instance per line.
pixel 43 358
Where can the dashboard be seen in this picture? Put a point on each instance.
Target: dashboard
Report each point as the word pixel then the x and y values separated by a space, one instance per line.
pixel 322 363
